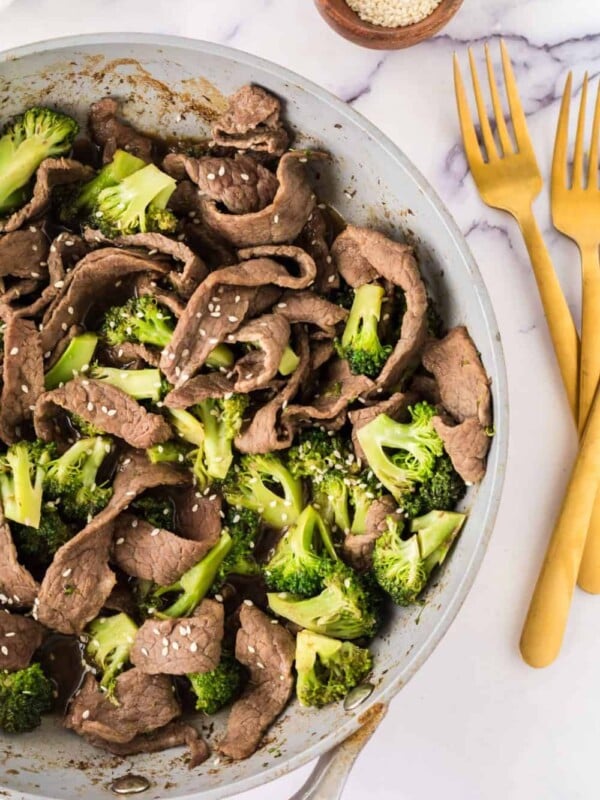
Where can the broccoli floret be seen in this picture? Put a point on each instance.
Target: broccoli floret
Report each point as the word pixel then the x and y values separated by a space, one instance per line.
pixel 37 546
pixel 145 321
pixel 289 361
pixel 193 584
pixel 327 668
pixel 71 479
pixel 329 465
pixel 360 344
pixel 158 511
pixel 363 491
pixel 244 528
pixel 262 483
pixel 140 320
pixel 76 358
pixel 83 427
pixel 22 471
pixel 37 134
pixel 222 419
pixel 300 559
pixel 402 455
pixel 346 608
pixel 142 384
pixel 402 566
pixel 110 641
pixel 218 687
pixel 441 491
pixel 171 452
pixel 136 204
pixel 81 201
pixel 24 696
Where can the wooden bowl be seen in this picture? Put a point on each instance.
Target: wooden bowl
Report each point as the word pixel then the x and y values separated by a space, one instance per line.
pixel 339 15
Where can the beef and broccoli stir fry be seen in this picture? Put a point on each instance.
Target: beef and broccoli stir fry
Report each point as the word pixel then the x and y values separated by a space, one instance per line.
pixel 232 432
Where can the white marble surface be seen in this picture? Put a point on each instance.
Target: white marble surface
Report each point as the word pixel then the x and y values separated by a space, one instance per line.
pixel 475 723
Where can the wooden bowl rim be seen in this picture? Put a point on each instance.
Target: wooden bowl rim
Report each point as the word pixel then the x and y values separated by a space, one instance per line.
pixel 346 19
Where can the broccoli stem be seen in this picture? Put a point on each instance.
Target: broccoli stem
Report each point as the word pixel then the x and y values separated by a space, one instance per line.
pixel 360 343
pixel 75 359
pixel 187 426
pixel 220 358
pixel 22 497
pixel 289 361
pixel 142 384
pixel 195 583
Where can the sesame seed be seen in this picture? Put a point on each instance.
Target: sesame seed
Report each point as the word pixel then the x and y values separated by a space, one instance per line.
pixel 276 219
pixel 67 572
pixel 244 176
pixel 155 532
pixel 85 714
pixel 248 602
pixel 4 650
pixel 120 540
pixel 175 646
pixel 193 647
pixel 24 388
pixel 211 176
pixel 144 651
pixel 165 651
pixel 14 351
pixel 260 665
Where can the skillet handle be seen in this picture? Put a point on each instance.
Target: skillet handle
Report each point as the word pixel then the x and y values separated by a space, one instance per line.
pixel 327 780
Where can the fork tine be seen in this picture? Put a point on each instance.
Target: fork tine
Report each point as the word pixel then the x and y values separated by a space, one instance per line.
pixel 579 154
pixel 484 123
pixel 519 121
pixel 469 135
pixel 561 143
pixel 593 157
pixel 503 134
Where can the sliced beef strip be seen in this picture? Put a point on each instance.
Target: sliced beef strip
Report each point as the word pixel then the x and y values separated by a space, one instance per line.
pixel 181 646
pixel 338 388
pixel 78 582
pixel 216 251
pixel 313 239
pixel 280 221
pixel 269 428
pixel 24 253
pixel 363 255
pixel 51 172
pixel 65 251
pixel 23 377
pixel 185 282
pixel 144 551
pixel 425 388
pixel 145 704
pixel 19 289
pixel 20 637
pixel 309 308
pixel 459 373
pixel 467 445
pixel 198 516
pixel 121 598
pixel 175 734
pixel 241 184
pixel 241 292
pixel 93 279
pixel 144 285
pixel 111 133
pixel 267 650
pixel 394 406
pixel 199 388
pixel 106 407
pixel 17 586
pixel 358 547
pixel 130 354
pixel 270 333
pixel 252 122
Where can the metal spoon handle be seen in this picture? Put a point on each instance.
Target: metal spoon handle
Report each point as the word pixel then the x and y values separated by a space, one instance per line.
pixel 327 780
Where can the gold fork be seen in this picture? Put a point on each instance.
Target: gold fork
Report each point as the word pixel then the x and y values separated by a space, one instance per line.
pixel 576 212
pixel 510 180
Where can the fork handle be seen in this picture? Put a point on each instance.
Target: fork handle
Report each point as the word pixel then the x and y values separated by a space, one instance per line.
pixel 558 315
pixel 549 609
pixel 590 330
